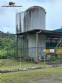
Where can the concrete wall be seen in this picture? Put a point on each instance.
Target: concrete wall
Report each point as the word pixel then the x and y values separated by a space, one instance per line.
pixel 23 46
pixel 42 45
pixel 20 22
pixel 32 46
pixel 29 47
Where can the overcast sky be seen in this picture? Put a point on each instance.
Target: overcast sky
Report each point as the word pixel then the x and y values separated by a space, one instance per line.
pixel 53 13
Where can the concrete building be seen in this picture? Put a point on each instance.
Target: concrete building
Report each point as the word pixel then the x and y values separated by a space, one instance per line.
pixel 32 40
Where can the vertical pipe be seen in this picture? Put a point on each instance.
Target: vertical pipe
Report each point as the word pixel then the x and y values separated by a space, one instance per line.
pixel 36 47
pixel 17 45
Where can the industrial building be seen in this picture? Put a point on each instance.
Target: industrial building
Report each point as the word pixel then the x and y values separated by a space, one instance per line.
pixel 32 36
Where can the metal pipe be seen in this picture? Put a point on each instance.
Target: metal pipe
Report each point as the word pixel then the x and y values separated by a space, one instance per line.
pixel 36 47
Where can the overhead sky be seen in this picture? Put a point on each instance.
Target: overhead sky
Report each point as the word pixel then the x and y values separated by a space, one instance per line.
pixel 53 13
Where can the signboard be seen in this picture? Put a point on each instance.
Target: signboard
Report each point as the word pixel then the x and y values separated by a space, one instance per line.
pixel 52 50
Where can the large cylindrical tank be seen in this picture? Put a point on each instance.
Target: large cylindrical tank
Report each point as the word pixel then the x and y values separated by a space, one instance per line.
pixel 34 18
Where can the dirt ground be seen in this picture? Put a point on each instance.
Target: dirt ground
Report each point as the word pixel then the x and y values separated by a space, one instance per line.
pixel 52 79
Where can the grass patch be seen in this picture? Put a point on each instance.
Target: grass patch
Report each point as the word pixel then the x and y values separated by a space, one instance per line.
pixel 19 77
pixel 7 64
pixel 24 76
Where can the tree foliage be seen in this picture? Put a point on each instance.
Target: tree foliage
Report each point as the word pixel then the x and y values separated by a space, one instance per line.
pixel 7 45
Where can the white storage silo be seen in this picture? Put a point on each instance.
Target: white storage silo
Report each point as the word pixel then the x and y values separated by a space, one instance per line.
pixel 34 18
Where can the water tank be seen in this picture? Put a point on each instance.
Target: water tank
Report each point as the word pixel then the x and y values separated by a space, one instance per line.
pixel 34 18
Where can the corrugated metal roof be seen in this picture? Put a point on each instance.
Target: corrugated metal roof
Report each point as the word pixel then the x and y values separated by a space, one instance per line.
pixel 44 32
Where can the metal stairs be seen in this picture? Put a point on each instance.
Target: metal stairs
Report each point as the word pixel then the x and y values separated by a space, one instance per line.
pixel 59 44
